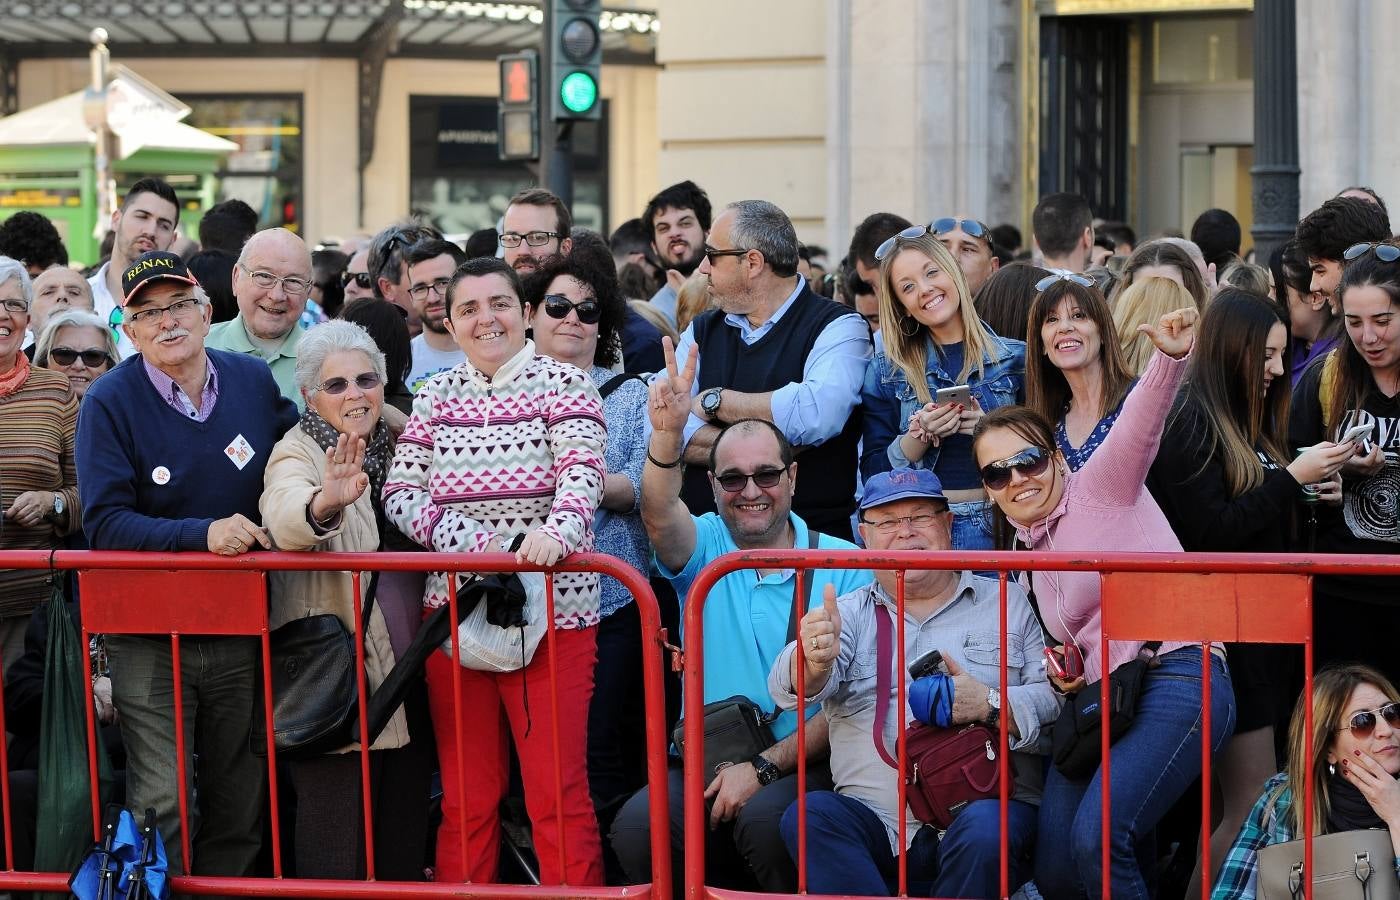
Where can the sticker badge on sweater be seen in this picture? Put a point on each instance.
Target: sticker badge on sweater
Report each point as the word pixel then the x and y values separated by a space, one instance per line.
pixel 160 475
pixel 240 451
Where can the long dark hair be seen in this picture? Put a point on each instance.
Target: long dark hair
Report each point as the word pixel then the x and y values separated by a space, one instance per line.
pixel 1006 297
pixel 1163 253
pixel 1225 389
pixel 1047 391
pixel 1354 376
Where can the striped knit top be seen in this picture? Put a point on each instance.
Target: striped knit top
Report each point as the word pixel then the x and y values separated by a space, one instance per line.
pixel 488 457
pixel 36 454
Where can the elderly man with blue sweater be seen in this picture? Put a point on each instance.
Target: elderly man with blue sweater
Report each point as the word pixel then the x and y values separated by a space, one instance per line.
pixel 170 452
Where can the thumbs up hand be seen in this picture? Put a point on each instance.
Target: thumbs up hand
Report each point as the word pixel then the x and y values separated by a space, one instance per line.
pixel 820 634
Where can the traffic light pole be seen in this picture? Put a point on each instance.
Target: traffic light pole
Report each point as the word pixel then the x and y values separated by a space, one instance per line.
pixel 556 138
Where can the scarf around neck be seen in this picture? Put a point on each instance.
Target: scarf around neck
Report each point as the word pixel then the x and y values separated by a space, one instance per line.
pixel 1348 809
pixel 14 379
pixel 378 451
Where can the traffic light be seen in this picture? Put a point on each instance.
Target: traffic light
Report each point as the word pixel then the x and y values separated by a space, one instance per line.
pixel 576 57
pixel 518 112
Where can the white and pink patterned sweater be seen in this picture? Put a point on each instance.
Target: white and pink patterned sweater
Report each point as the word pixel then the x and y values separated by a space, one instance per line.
pixel 484 458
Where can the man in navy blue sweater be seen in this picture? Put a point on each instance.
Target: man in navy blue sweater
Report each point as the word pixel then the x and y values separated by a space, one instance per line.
pixel 171 449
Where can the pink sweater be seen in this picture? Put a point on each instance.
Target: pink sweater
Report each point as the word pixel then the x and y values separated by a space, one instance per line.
pixel 1106 507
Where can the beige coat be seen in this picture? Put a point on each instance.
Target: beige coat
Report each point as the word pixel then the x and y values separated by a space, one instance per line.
pixel 293 477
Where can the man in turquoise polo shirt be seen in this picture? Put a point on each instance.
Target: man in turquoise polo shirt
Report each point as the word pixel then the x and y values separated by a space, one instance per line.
pixel 271 283
pixel 747 621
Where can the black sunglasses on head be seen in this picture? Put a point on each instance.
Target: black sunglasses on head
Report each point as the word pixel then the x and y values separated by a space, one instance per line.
pixel 1384 252
pixel 1363 723
pixel 1030 462
pixel 558 306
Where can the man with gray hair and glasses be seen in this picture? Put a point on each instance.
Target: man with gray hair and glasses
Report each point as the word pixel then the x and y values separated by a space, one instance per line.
pixel 170 454
pixel 387 269
pixel 778 351
pixel 271 282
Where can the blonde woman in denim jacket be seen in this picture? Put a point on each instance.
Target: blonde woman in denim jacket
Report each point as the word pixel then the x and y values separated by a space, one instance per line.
pixel 931 339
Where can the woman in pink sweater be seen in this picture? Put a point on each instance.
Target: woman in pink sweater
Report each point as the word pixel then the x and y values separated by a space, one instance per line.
pixel 1106 507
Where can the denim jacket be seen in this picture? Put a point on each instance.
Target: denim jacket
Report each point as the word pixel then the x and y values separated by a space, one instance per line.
pixel 889 399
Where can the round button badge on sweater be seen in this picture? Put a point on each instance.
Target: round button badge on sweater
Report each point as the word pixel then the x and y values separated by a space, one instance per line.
pixel 160 475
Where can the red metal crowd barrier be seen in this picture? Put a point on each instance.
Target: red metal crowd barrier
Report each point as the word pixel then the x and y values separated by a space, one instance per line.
pixel 183 594
pixel 1197 598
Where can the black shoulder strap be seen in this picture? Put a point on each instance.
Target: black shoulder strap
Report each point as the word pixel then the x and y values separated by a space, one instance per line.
pixel 618 381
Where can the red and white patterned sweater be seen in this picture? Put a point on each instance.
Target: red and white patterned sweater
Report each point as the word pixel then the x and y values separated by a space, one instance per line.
pixel 485 458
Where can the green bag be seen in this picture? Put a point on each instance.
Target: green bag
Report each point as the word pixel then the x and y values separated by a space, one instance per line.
pixel 64 828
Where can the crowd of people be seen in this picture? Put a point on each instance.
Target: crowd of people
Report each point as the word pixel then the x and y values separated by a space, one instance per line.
pixel 654 395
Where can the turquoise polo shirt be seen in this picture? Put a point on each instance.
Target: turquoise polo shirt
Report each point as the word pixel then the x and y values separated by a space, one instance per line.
pixel 746 616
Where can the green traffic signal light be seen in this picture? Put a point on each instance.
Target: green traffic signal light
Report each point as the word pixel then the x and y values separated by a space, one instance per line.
pixel 578 92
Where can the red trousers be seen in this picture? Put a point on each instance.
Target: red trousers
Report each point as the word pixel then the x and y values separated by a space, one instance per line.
pixel 491 703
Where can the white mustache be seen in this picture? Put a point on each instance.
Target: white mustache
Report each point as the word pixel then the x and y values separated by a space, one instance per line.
pixel 172 334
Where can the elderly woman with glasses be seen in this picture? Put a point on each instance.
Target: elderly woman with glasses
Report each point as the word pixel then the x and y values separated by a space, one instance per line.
pixel 1355 750
pixel 508 444
pixel 321 492
pixel 1106 507
pixel 940 370
pixel 78 344
pixel 39 484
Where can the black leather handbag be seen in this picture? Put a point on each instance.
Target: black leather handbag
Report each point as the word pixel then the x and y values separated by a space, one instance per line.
pixel 1075 743
pixel 315 698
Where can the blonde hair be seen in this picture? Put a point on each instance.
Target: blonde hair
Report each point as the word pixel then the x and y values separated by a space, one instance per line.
pixel 1332 690
pixel 692 299
pixel 909 351
pixel 1144 303
pixel 646 310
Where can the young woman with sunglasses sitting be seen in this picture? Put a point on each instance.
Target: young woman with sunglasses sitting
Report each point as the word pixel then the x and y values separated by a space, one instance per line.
pixel 1225 481
pixel 933 339
pixel 1355 749
pixel 576 313
pixel 1075 373
pixel 1357 386
pixel 1105 507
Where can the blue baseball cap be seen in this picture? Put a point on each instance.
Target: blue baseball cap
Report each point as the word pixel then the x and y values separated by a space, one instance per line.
pixel 901 484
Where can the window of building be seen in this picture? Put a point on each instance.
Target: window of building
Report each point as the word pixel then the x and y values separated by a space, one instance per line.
pixel 266 170
pixel 457 182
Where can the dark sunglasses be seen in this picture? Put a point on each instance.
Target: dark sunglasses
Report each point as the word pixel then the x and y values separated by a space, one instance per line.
pixel 1081 280
pixel 367 381
pixel 1384 252
pixel 1030 462
pixel 558 306
pixel 1362 724
pixel 66 356
pixel 735 482
pixel 361 279
pixel 712 254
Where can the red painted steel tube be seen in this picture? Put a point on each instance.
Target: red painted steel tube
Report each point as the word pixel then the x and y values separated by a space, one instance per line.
pixel 91 718
pixel 1206 870
pixel 1004 750
pixel 454 640
pixel 274 807
pixel 554 721
pixel 8 823
pixel 362 702
pixel 1105 741
pixel 800 685
pixel 901 704
pixel 1308 794
pixel 181 776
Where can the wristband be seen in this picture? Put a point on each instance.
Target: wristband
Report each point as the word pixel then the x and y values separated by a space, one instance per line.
pixel 661 465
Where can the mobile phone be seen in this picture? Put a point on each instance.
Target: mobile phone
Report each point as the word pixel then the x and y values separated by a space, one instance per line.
pixel 1066 666
pixel 926 664
pixel 1055 663
pixel 1355 433
pixel 956 394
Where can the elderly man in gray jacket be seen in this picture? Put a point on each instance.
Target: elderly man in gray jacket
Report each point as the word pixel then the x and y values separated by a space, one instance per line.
pixel 851 831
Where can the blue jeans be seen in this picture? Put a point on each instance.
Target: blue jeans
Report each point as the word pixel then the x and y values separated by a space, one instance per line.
pixel 848 849
pixel 972 525
pixel 1152 765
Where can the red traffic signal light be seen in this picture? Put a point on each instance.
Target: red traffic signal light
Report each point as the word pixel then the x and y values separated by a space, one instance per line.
pixel 517 80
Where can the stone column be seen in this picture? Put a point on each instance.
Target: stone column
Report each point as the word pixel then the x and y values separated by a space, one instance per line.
pixel 1275 169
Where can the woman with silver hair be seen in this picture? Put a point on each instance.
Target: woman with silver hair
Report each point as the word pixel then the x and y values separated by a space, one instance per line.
pixel 79 345
pixel 38 481
pixel 321 492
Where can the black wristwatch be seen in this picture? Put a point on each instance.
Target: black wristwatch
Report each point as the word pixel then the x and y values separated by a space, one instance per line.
pixel 709 403
pixel 766 771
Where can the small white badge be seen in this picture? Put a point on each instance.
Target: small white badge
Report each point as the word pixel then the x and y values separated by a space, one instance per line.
pixel 240 451
pixel 160 475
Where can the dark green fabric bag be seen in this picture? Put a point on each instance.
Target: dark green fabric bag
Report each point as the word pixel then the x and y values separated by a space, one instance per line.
pixel 64 829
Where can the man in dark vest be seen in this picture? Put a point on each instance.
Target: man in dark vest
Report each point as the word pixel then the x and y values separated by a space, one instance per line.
pixel 775 350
